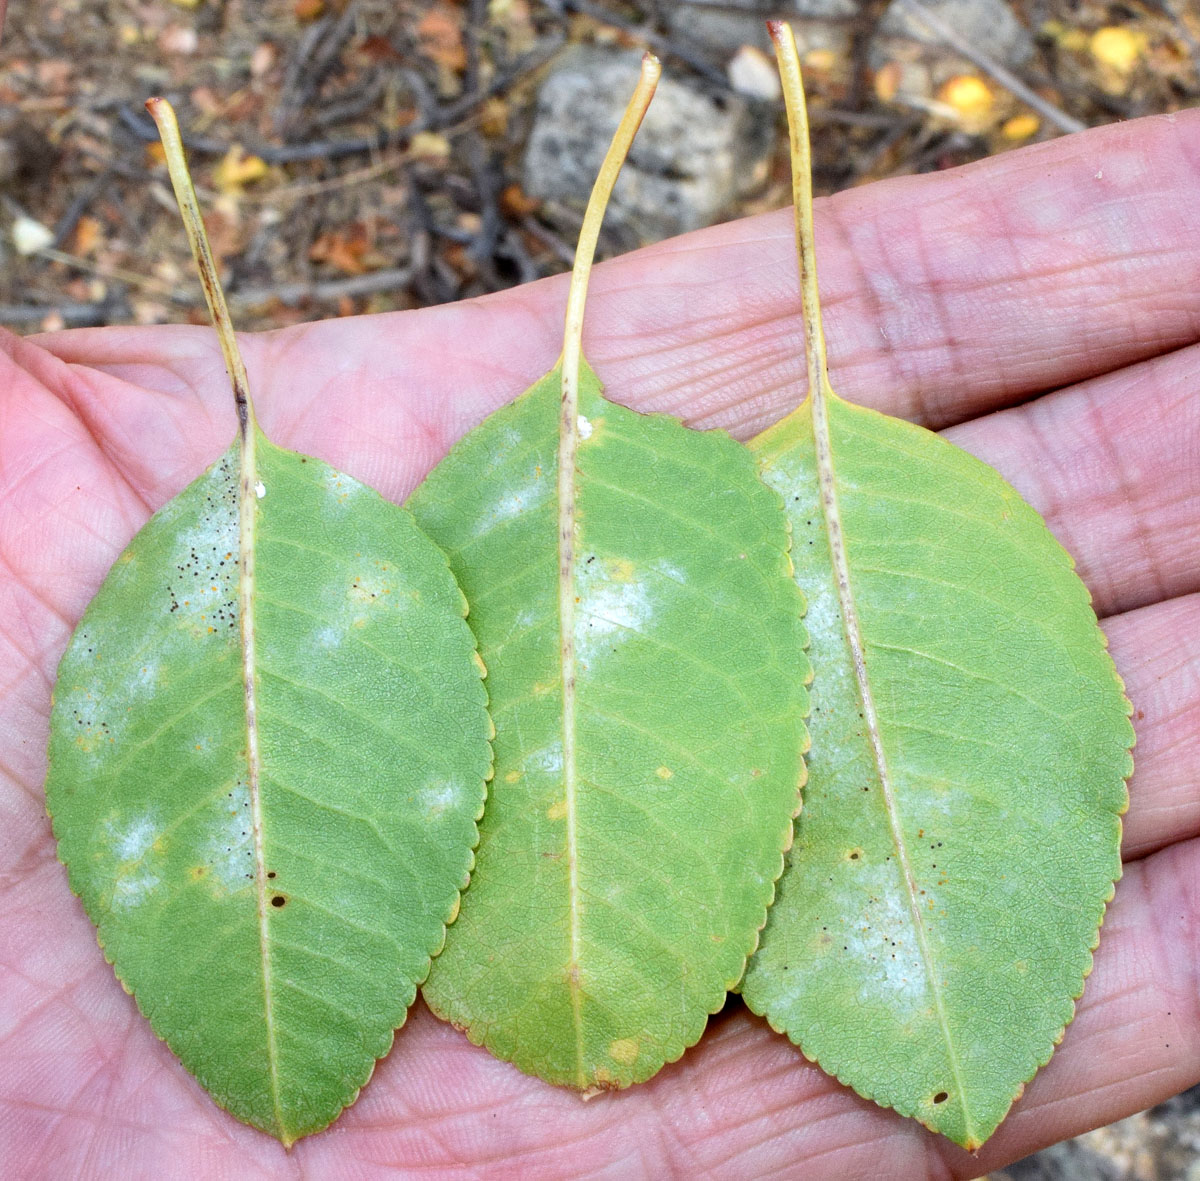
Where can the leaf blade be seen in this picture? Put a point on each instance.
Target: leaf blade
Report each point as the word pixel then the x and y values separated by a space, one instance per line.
pixel 646 760
pixel 348 942
pixel 852 926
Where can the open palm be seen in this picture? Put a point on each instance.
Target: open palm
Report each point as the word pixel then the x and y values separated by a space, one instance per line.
pixel 1040 307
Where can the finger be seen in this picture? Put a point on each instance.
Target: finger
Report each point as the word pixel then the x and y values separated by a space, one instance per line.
pixel 1112 466
pixel 161 402
pixel 946 296
pixel 1157 651
pixel 165 418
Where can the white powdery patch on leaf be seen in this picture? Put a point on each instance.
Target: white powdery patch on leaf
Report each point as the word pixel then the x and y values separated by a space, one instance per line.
pixel 548 760
pixel 132 890
pixel 880 938
pixel 613 604
pixel 132 840
pixel 436 797
pixel 343 488
pixel 230 851
pixel 202 578
pixel 512 503
pixel 130 845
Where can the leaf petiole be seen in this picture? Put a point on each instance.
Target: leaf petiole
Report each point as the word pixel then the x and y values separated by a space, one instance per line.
pixel 802 204
pixel 163 115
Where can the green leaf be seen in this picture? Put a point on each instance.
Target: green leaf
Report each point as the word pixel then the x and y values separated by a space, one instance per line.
pixel 268 750
pixel 961 831
pixel 646 672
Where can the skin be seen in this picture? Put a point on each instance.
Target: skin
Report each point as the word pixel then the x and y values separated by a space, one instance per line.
pixel 1042 307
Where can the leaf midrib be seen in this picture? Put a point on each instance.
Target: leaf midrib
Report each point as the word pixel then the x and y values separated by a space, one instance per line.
pixel 247 507
pixel 830 509
pixel 568 446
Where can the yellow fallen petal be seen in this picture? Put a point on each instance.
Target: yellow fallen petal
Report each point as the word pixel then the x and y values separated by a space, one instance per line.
pixel 970 96
pixel 237 169
pixel 887 82
pixel 429 144
pixel 1117 48
pixel 1021 127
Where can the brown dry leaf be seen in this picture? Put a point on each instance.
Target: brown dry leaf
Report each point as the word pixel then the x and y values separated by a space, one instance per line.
pixel 493 117
pixel 343 249
pixel 378 50
pixel 517 203
pixel 206 100
pixel 308 10
pixel 88 235
pixel 440 34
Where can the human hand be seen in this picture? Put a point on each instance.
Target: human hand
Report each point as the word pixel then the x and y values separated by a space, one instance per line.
pixel 959 300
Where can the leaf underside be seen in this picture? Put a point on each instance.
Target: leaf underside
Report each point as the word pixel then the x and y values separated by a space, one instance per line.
pixel 593 943
pixel 275 962
pixel 936 921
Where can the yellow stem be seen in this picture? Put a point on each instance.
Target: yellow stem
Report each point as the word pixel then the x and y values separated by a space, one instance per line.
pixel 802 202
pixel 585 251
pixel 189 209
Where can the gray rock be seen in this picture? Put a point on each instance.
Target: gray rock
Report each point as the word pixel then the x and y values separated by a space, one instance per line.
pixel 1070 1161
pixel 1162 1144
pixel 723 26
pixel 693 158
pixel 989 25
